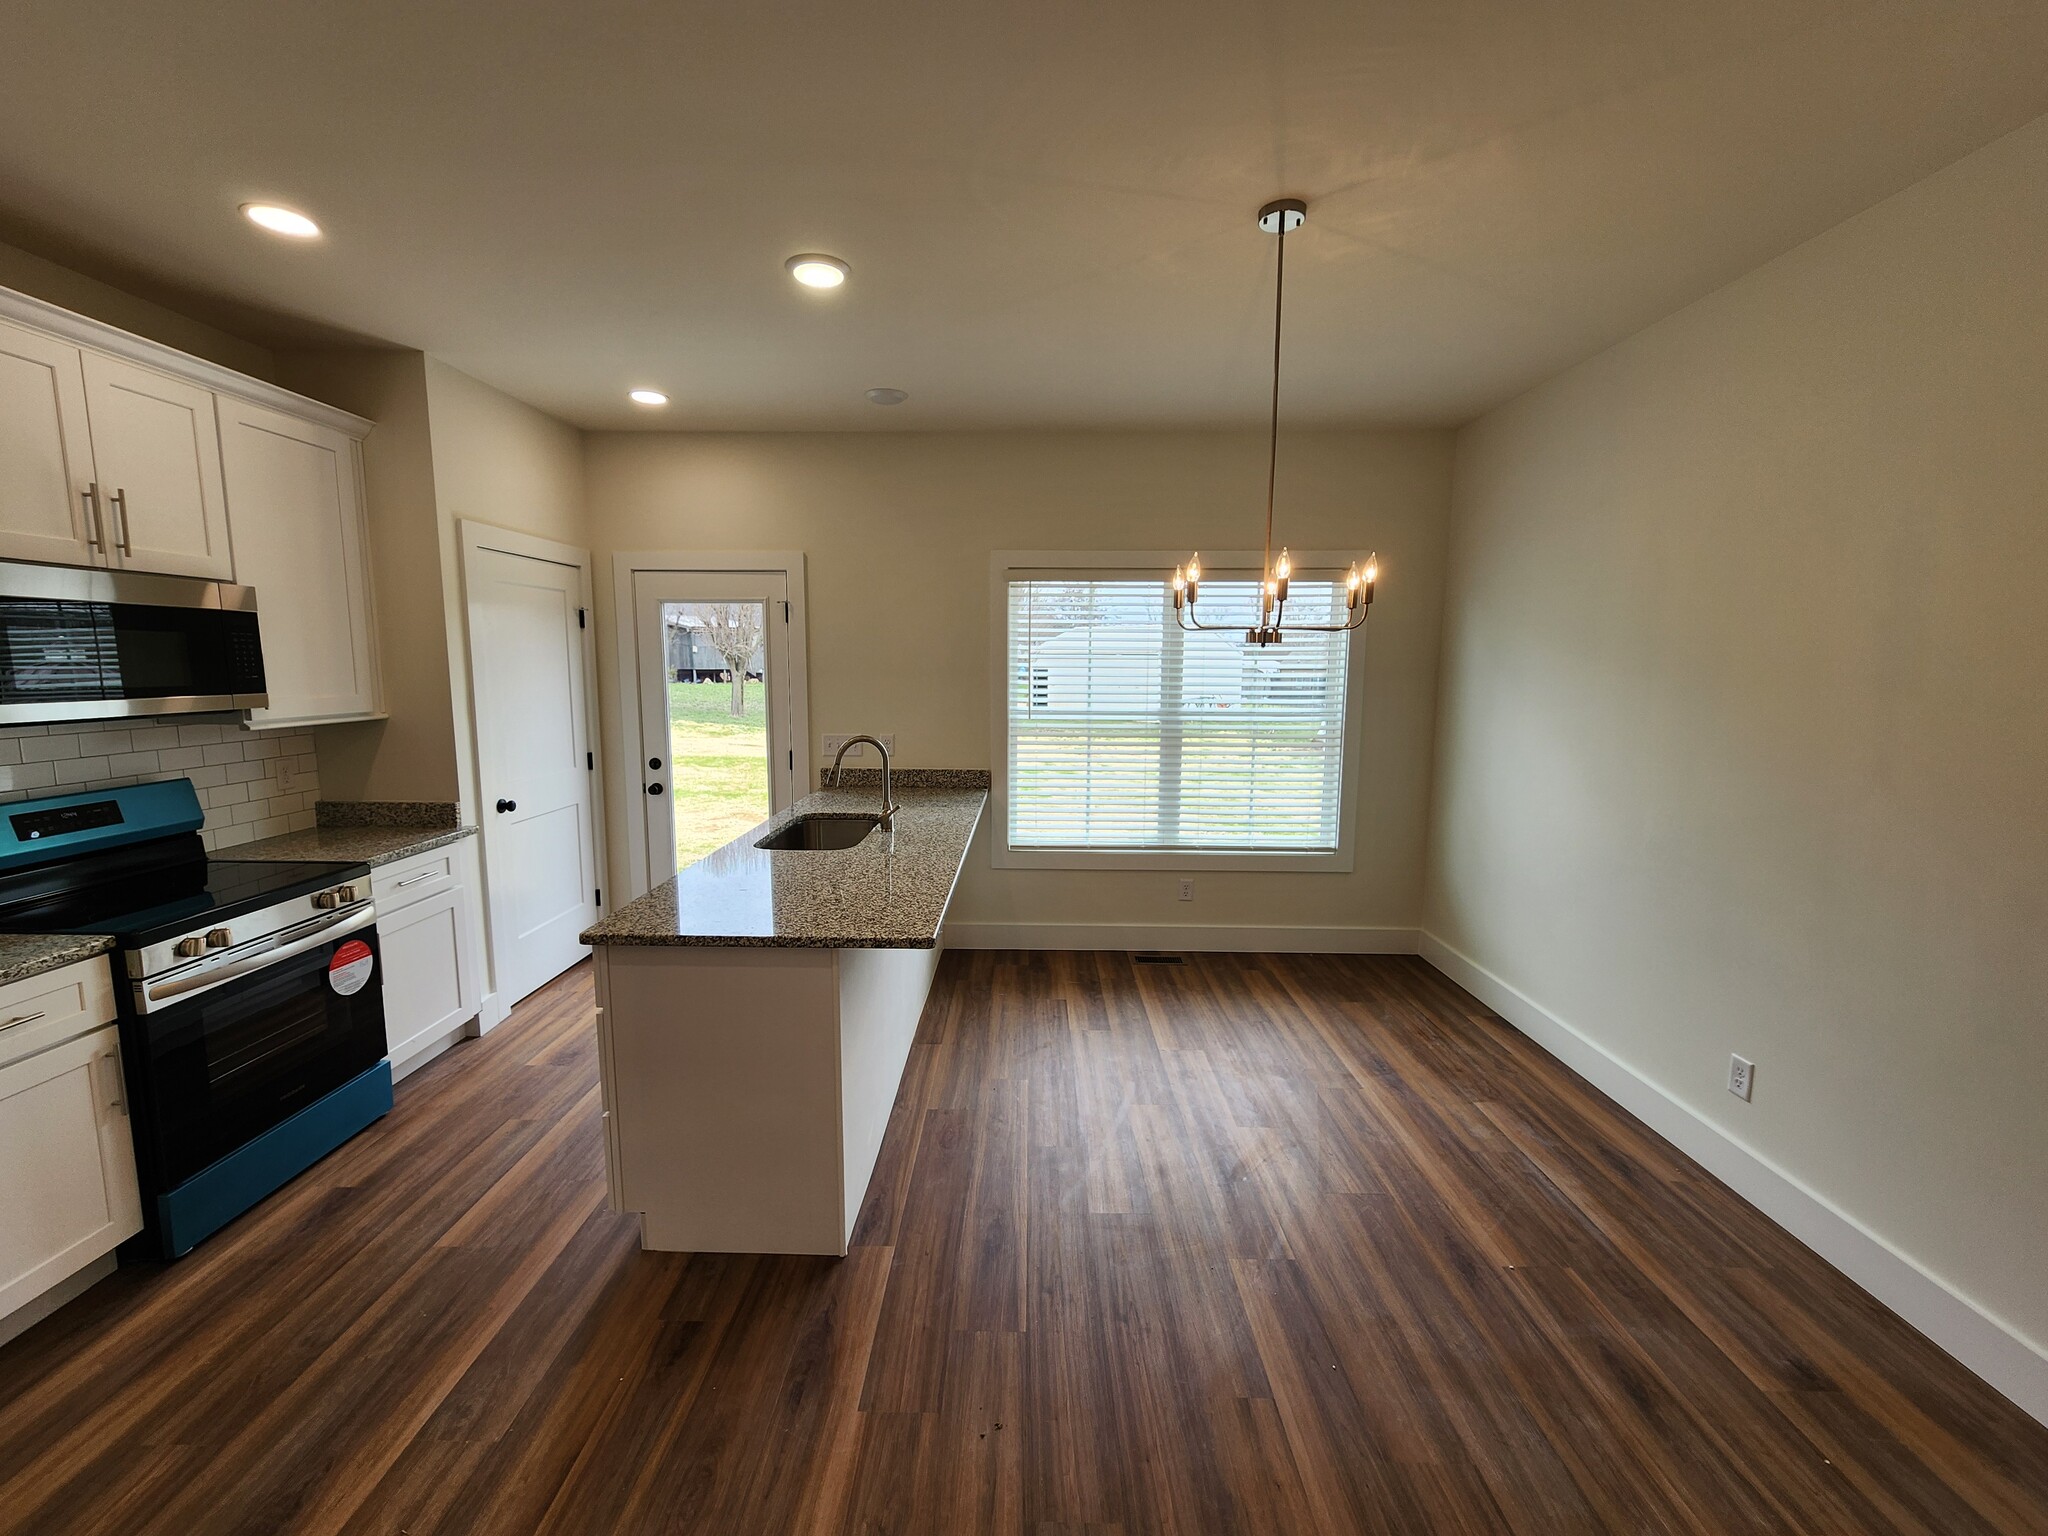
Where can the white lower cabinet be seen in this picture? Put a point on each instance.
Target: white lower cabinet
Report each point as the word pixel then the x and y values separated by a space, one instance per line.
pixel 67 1161
pixel 427 929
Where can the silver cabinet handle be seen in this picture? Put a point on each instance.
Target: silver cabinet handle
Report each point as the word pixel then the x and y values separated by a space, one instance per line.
pixel 118 1104
pixel 425 874
pixel 26 1018
pixel 121 506
pixel 95 534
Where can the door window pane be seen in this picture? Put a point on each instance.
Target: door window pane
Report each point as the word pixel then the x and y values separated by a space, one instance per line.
pixel 718 721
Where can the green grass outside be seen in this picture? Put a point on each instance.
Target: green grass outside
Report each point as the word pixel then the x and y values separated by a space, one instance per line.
pixel 720 765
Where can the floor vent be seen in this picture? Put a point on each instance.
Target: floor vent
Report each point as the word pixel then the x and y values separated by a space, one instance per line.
pixel 1144 959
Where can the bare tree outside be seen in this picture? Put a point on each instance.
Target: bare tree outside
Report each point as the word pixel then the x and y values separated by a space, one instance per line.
pixel 734 630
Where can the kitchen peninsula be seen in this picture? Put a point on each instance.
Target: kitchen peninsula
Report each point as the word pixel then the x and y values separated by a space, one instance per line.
pixel 756 1010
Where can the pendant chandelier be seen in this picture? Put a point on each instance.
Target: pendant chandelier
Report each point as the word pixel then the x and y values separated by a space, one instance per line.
pixel 1279 218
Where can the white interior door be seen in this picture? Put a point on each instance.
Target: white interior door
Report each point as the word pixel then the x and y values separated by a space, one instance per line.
pixel 716 718
pixel 535 772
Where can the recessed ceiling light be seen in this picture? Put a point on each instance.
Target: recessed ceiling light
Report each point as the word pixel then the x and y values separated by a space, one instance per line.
pixel 887 396
pixel 280 221
pixel 648 397
pixel 815 271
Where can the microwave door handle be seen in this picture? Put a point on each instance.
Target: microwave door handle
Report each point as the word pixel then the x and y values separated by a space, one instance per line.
pixel 179 986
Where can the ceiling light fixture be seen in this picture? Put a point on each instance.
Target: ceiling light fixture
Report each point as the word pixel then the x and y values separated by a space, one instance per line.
pixel 816 271
pixel 280 221
pixel 887 396
pixel 648 397
pixel 1280 217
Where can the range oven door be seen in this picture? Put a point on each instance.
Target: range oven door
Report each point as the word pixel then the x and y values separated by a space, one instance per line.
pixel 212 1073
pixel 89 644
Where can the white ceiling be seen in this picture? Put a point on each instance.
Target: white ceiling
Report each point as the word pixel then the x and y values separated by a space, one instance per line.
pixel 1047 204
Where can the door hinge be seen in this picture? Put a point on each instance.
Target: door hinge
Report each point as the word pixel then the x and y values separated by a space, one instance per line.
pixel 582 622
pixel 785 610
pixel 590 761
pixel 792 759
pixel 598 894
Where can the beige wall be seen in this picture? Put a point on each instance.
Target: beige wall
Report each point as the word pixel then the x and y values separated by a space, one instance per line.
pixel 497 460
pixel 898 529
pixel 84 295
pixel 1744 731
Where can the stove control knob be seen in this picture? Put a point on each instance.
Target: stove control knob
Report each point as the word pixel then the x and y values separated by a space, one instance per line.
pixel 185 949
pixel 347 894
pixel 219 938
pixel 327 898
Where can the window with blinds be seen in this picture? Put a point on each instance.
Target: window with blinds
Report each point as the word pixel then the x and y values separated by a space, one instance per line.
pixel 1128 733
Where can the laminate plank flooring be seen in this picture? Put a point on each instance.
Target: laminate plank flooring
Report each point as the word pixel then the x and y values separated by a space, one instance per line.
pixel 1246 1244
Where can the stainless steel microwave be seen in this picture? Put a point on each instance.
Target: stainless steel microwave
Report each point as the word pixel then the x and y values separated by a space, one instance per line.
pixel 100 645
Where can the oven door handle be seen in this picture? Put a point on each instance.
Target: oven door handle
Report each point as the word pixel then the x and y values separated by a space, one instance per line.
pixel 182 985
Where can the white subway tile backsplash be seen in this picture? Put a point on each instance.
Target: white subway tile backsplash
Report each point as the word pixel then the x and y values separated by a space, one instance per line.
pixel 251 785
pixel 41 749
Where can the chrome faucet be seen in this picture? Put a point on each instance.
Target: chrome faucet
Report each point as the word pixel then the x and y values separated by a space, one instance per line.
pixel 839 772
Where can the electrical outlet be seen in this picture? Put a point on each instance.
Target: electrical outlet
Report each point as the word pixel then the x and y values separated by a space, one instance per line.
pixel 859 750
pixel 1187 890
pixel 1741 1076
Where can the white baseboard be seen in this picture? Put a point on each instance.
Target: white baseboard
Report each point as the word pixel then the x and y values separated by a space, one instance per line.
pixel 1192 937
pixel 493 1012
pixel 402 1069
pixel 1992 1348
pixel 72 1286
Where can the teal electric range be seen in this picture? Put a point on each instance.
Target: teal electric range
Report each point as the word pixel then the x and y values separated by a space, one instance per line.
pixel 252 1010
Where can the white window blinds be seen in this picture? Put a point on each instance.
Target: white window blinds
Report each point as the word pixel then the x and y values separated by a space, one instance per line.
pixel 1126 732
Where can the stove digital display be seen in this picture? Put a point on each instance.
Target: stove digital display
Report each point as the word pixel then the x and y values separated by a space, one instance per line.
pixel 34 826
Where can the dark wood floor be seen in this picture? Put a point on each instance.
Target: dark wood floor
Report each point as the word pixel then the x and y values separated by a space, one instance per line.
pixel 1252 1244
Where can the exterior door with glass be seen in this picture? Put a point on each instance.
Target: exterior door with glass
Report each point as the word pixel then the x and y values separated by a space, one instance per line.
pixel 716 723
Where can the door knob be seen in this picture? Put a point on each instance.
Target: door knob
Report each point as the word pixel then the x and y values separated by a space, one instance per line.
pixel 654 762
pixel 507 805
pixel 654 789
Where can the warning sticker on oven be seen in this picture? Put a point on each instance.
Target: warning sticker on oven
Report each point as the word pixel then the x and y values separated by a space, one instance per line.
pixel 348 972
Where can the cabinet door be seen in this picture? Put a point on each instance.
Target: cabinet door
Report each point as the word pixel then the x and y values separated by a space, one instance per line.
pixel 295 504
pixel 427 971
pixel 67 1164
pixel 45 454
pixel 157 452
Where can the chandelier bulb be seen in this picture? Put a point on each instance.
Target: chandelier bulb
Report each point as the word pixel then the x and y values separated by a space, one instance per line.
pixel 1283 567
pixel 1195 567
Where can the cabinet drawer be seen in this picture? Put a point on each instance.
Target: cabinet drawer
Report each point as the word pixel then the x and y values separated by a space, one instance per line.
pixel 49 1009
pixel 397 886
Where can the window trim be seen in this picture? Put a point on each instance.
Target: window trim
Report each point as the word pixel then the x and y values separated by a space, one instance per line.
pixel 1153 565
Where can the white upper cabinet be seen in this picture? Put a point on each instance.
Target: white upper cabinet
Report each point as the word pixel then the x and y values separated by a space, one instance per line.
pixel 46 478
pixel 156 450
pixel 296 502
pixel 121 453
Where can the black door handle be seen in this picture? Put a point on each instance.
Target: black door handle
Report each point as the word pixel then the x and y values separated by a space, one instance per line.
pixel 654 789
pixel 507 805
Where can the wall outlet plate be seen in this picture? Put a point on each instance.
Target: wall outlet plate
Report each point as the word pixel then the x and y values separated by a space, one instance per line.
pixel 861 752
pixel 1741 1076
pixel 1187 890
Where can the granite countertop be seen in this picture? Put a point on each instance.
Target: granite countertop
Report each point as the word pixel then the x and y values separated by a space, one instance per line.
pixel 23 955
pixel 886 892
pixel 346 845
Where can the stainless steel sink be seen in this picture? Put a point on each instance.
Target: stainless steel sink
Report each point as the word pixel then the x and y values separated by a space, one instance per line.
pixel 813 834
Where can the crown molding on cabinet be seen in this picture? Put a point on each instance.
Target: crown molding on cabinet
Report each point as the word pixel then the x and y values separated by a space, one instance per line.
pixel 83 331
